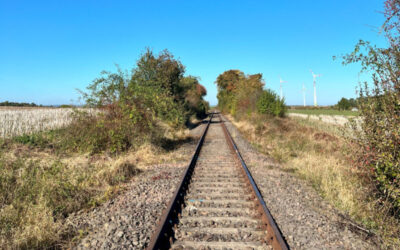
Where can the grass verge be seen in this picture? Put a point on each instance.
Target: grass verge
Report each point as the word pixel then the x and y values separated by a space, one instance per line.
pixel 40 187
pixel 318 154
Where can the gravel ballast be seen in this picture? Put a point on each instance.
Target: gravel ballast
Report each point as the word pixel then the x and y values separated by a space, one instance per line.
pixel 128 220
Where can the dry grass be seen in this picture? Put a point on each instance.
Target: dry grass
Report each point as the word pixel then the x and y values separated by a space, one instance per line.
pixel 38 188
pixel 318 154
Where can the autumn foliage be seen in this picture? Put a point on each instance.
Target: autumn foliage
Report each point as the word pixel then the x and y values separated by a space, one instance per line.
pixel 240 94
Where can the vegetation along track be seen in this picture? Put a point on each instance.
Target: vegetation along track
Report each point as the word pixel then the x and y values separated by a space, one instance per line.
pixel 217 204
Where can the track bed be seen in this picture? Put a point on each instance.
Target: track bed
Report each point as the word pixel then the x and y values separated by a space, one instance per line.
pixel 216 206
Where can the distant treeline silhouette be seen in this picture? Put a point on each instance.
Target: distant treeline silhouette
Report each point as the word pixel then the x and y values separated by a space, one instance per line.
pixel 19 104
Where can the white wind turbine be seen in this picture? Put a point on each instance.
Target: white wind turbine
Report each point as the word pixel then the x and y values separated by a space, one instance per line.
pixel 315 87
pixel 304 95
pixel 281 81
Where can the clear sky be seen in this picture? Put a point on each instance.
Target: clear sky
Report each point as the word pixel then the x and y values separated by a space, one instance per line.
pixel 48 49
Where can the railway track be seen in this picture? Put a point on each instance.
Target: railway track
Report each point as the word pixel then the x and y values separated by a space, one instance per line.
pixel 217 204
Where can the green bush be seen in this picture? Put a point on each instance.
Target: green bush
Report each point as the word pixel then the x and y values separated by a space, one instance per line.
pixel 269 103
pixel 378 133
pixel 111 130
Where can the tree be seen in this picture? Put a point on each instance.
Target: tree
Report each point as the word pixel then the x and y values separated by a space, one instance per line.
pixel 237 92
pixel 227 84
pixel 344 104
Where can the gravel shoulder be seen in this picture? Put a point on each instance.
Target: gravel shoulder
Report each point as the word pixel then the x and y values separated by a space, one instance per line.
pixel 305 219
pixel 128 220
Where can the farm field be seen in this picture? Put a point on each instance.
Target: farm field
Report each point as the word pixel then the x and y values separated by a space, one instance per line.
pixel 16 121
pixel 323 112
pixel 19 121
pixel 337 120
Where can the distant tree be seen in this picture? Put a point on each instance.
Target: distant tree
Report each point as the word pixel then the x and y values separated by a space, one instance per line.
pixel 344 104
pixel 237 92
pixel 353 103
pixel 227 84
pixel 66 106
pixel 18 104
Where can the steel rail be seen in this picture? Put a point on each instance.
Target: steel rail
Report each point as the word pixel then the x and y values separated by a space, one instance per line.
pixel 274 235
pixel 162 237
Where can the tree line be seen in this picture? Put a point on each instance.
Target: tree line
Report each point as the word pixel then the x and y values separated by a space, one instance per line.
pixel 19 104
pixel 346 104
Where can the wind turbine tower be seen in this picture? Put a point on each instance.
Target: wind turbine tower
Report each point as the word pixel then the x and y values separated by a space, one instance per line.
pixel 304 95
pixel 281 81
pixel 315 87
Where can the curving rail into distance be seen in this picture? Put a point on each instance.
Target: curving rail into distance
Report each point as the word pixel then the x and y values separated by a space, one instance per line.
pixel 237 213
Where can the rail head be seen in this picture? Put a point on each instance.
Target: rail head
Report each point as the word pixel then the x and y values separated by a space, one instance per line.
pixel 164 231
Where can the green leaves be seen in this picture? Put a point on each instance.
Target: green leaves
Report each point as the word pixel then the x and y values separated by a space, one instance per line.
pixel 269 103
pixel 378 135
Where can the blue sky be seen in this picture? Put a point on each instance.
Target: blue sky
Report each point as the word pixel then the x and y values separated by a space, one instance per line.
pixel 48 49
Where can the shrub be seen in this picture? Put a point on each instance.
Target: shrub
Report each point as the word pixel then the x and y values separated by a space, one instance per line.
pixel 378 134
pixel 110 130
pixel 269 103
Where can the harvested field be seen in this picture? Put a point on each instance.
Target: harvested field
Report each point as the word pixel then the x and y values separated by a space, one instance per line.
pixel 19 121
